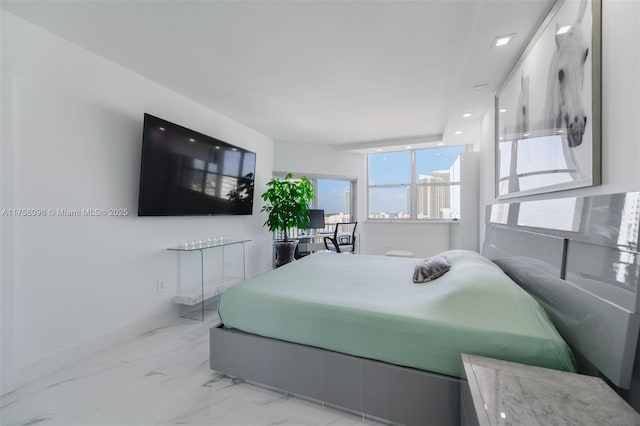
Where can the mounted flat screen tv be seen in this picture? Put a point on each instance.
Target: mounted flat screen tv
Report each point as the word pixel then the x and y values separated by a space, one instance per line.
pixel 186 173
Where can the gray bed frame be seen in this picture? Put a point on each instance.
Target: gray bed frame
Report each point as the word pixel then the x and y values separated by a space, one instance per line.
pixel 383 391
pixel 581 263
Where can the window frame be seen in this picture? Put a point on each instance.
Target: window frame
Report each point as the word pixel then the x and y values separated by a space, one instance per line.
pixel 315 177
pixel 413 188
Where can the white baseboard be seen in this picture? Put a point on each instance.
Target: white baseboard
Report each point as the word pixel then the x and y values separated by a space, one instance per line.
pixel 51 363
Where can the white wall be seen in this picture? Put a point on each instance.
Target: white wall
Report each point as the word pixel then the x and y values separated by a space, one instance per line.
pixel 620 111
pixel 71 138
pixel 7 314
pixel 423 239
pixel 469 201
pixel 487 169
pixel 317 159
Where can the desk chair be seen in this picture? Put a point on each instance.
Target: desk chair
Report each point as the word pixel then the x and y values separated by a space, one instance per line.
pixel 344 238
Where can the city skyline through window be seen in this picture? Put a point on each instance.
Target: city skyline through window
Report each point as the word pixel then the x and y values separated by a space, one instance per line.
pixel 334 197
pixel 415 184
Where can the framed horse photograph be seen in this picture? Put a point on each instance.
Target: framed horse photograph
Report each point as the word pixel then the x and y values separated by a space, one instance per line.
pixel 547 111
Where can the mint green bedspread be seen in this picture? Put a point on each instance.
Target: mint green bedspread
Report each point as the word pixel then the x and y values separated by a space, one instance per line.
pixel 369 307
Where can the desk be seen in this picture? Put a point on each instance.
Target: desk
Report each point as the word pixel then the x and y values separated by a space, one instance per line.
pixel 507 393
pixel 311 243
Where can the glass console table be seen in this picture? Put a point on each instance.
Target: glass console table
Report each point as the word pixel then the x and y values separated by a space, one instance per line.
pixel 201 281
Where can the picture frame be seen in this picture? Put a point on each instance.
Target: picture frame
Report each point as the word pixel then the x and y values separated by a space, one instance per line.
pixel 548 109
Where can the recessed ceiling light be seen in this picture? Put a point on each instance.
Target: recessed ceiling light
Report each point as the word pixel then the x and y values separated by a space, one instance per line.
pixel 217 147
pixel 502 40
pixel 408 147
pixel 458 132
pixel 466 115
pixel 563 30
pixel 560 131
pixel 440 143
pixel 527 134
pixel 379 150
pixel 503 110
pixel 192 140
pixel 501 138
pixel 234 149
pixel 162 128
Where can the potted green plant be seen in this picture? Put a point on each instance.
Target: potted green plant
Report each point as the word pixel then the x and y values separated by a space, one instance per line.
pixel 287 207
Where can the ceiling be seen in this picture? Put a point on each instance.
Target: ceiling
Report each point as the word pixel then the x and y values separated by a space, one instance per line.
pixel 339 72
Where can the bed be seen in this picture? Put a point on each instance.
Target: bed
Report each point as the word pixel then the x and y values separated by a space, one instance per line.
pixel 378 344
pixel 368 306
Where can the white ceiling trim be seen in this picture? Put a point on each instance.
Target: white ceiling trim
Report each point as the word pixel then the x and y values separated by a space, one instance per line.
pixel 390 143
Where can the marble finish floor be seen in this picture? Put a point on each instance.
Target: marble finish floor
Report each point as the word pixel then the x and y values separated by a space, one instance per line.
pixel 160 378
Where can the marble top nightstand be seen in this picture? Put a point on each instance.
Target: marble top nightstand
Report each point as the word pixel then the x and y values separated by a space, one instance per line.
pixel 507 393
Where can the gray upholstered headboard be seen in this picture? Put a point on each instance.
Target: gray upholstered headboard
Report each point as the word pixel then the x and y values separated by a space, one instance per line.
pixel 579 257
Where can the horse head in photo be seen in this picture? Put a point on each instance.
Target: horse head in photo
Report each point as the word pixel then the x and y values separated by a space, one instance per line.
pixel 565 109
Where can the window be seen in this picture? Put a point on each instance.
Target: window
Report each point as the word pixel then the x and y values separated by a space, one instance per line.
pixel 337 197
pixel 415 184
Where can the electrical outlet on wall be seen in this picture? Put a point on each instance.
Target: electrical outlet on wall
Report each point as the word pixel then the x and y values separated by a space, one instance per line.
pixel 159 286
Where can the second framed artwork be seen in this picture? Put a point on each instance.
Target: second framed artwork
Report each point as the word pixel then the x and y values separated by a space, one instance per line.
pixel 547 113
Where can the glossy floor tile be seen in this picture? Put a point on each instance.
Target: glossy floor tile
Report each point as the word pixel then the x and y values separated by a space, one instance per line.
pixel 160 378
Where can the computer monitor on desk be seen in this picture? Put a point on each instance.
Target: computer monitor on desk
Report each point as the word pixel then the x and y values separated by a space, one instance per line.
pixel 316 219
